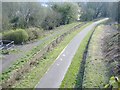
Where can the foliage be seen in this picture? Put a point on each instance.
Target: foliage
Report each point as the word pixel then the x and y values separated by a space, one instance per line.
pixel 119 12
pixel 34 33
pixel 22 15
pixel 113 83
pixel 93 10
pixel 4 52
pixel 69 11
pixel 52 20
pixel 18 36
pixel 27 14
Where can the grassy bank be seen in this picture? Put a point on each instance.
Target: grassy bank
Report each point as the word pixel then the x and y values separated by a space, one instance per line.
pixel 32 78
pixel 96 73
pixel 70 80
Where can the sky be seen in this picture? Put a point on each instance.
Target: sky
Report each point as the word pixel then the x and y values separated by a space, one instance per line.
pixel 59 0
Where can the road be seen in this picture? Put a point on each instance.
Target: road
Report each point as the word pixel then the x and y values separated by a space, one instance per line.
pixel 55 74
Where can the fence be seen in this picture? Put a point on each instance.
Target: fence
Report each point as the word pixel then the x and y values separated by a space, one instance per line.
pixel 6 44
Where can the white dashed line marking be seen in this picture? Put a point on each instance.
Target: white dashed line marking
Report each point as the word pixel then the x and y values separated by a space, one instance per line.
pixel 63 54
pixel 61 59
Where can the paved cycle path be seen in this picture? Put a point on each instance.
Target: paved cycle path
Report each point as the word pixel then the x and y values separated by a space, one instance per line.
pixel 56 73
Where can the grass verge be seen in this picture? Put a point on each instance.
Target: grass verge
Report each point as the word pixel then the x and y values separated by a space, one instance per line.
pixel 70 80
pixel 96 74
pixel 32 78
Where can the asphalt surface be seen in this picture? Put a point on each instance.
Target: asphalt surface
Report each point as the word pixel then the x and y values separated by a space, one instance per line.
pixel 54 76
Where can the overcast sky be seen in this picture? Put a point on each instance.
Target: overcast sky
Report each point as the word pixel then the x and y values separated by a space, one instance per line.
pixel 59 0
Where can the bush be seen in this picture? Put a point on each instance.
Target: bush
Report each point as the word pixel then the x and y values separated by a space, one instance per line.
pixel 18 36
pixel 34 33
pixel 30 35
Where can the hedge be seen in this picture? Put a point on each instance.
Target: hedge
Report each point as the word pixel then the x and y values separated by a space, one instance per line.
pixel 18 36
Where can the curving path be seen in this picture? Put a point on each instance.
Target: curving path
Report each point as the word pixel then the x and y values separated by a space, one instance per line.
pixel 54 76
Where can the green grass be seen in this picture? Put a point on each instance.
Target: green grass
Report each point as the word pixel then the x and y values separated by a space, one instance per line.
pixel 11 51
pixel 96 73
pixel 113 82
pixel 30 54
pixel 33 77
pixel 70 80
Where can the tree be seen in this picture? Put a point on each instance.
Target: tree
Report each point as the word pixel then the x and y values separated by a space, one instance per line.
pixel 0 16
pixel 22 14
pixel 51 20
pixel 119 12
pixel 93 10
pixel 8 12
pixel 113 10
pixel 68 11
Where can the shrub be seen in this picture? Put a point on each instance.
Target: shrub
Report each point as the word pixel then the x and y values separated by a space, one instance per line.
pixel 18 36
pixel 30 35
pixel 34 33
